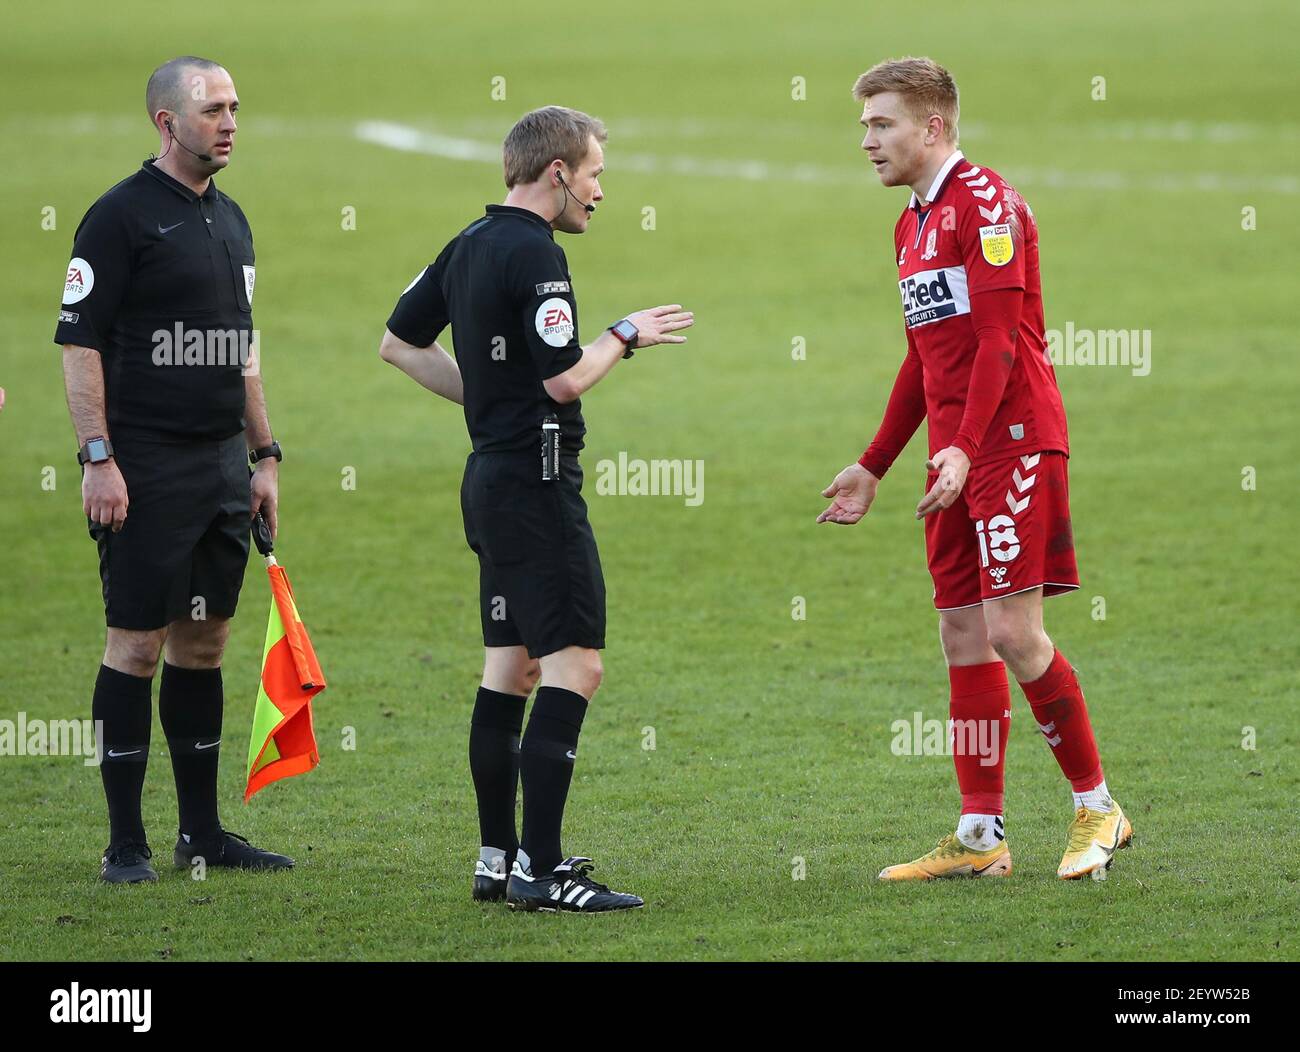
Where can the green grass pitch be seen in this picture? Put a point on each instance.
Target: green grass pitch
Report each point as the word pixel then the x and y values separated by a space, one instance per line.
pixel 771 735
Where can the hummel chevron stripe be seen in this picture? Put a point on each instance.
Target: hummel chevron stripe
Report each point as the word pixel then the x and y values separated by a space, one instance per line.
pixel 1049 732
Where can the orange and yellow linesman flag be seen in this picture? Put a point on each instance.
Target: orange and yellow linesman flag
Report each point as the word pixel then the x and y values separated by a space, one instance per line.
pixel 284 741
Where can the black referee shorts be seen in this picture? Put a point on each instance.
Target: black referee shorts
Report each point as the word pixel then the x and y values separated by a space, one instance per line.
pixel 540 582
pixel 186 533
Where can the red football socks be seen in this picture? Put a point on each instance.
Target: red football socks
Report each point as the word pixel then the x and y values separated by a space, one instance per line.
pixel 980 708
pixel 1062 715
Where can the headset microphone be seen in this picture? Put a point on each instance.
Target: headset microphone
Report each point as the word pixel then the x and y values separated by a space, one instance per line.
pixel 206 158
pixel 589 208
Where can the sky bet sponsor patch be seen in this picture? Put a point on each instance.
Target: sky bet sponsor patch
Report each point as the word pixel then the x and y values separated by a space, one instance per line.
pixel 933 295
pixel 996 244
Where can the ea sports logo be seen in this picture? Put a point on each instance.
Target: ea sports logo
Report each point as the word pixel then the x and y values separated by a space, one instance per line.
pixel 554 322
pixel 79 282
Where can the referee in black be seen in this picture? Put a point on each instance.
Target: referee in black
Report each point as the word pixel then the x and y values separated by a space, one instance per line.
pixel 504 286
pixel 159 363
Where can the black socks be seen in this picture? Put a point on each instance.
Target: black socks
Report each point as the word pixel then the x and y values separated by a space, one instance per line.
pixel 494 766
pixel 546 758
pixel 122 707
pixel 189 706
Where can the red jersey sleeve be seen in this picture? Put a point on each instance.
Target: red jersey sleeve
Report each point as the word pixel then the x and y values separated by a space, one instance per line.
pixel 992 224
pixel 992 219
pixel 903 415
pixel 995 315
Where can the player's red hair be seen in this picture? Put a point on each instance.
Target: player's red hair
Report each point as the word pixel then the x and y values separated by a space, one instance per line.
pixel 925 87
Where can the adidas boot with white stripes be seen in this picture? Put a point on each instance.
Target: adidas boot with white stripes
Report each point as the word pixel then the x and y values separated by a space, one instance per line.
pixel 491 872
pixel 568 888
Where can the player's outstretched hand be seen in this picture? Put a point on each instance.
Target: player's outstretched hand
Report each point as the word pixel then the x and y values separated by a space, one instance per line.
pixel 852 492
pixel 658 324
pixel 952 465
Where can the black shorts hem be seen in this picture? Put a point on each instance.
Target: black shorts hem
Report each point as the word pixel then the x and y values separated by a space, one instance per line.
pixel 552 646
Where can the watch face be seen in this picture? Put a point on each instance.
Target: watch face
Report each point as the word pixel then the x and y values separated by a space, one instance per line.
pixel 96 450
pixel 626 331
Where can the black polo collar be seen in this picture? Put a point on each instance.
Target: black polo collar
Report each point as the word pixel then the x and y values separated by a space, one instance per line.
pixel 209 195
pixel 522 213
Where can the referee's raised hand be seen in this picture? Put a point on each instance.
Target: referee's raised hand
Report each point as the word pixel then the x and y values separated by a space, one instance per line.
pixel 657 324
pixel 103 494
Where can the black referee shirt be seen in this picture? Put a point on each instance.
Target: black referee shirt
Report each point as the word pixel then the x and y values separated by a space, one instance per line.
pixel 161 284
pixel 504 286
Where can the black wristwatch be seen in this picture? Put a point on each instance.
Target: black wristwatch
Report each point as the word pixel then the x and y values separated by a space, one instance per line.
pixel 95 451
pixel 627 333
pixel 273 450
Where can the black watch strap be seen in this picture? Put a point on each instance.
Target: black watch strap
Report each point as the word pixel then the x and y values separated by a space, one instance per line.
pixel 95 451
pixel 626 332
pixel 273 450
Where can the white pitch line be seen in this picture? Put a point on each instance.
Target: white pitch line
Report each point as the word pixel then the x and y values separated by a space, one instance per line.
pixel 1101 129
pixel 407 139
pixel 415 140
pixel 412 140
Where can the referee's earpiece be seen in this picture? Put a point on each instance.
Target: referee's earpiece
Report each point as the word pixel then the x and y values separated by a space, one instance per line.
pixel 205 157
pixel 570 193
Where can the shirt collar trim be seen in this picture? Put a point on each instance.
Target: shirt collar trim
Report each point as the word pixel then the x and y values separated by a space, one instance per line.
pixel 522 213
pixel 939 179
pixel 176 186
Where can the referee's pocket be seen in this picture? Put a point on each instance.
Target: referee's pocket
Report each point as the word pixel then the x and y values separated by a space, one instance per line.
pixel 243 271
pixel 521 532
pixel 515 515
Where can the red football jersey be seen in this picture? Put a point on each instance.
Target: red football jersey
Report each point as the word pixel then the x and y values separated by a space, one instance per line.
pixel 976 235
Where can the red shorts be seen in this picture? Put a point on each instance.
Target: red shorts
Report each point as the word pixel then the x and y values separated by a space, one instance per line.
pixel 1008 531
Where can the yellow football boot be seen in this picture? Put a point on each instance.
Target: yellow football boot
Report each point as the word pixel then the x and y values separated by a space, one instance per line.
pixel 952 858
pixel 1095 836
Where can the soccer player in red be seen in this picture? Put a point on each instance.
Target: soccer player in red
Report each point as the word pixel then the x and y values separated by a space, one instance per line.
pixel 996 505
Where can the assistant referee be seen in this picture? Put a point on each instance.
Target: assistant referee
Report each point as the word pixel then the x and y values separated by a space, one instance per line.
pixel 504 286
pixel 166 400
